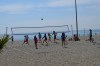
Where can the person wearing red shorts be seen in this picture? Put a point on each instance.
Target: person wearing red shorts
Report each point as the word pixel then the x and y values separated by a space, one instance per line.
pixel 26 40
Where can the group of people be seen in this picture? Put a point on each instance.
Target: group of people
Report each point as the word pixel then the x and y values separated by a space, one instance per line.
pixel 75 38
pixel 46 39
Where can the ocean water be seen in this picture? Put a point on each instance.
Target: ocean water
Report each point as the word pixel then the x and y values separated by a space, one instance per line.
pixel 69 34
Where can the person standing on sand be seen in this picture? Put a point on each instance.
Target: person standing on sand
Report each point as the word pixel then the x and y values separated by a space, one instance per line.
pixel 66 40
pixel 63 39
pixel 39 36
pixel 49 37
pixel 35 41
pixel 90 37
pixel 26 40
pixel 45 39
pixel 55 35
pixel 12 38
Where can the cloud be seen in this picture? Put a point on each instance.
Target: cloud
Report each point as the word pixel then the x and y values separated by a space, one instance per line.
pixel 61 3
pixel 15 8
pixel 21 8
pixel 58 3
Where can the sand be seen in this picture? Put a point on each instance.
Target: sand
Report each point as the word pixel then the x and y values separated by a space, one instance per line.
pixel 80 53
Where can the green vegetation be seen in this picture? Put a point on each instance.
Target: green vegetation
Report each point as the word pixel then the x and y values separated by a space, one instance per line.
pixel 3 41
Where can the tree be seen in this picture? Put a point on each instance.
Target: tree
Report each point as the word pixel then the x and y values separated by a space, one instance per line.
pixel 3 41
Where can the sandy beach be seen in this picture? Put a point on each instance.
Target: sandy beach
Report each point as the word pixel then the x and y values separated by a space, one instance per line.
pixel 80 53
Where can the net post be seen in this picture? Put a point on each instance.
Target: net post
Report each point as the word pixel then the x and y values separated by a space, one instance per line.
pixel 12 38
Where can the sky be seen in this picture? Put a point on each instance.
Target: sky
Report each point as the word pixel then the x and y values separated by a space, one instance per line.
pixel 28 13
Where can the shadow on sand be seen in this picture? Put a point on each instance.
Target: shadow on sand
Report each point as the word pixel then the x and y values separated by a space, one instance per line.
pixel 65 47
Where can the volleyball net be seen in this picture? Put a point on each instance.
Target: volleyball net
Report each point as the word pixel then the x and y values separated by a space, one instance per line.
pixel 36 30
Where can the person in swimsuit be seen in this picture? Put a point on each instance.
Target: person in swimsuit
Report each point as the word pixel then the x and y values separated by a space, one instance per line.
pixel 49 37
pixel 12 38
pixel 90 37
pixel 26 39
pixel 63 39
pixel 45 39
pixel 35 41
pixel 39 36
pixel 55 35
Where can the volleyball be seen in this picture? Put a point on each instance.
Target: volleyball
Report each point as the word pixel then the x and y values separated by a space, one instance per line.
pixel 41 18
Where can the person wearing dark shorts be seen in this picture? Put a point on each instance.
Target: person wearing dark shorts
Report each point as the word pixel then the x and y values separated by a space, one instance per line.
pixel 63 39
pixel 45 39
pixel 90 35
pixel 49 37
pixel 12 38
pixel 55 36
pixel 39 35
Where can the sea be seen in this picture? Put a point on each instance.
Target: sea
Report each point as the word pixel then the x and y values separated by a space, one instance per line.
pixel 68 34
